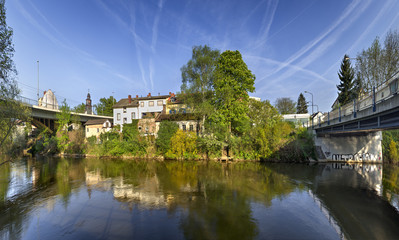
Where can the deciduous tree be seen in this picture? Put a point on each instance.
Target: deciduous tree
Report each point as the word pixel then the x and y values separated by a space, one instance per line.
pixel 81 108
pixel 285 105
pixel 197 80
pixel 233 80
pixel 11 110
pixel 104 107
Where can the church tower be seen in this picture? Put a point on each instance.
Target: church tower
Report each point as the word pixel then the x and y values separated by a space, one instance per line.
pixel 88 105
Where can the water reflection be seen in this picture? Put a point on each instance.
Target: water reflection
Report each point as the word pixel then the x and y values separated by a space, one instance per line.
pixel 102 198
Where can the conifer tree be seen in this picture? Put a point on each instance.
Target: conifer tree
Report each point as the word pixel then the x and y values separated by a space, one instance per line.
pixel 346 76
pixel 301 106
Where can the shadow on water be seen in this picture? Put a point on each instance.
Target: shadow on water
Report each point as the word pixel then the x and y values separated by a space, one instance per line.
pixel 102 198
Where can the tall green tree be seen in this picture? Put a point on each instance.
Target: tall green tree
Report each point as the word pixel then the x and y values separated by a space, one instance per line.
pixel 301 106
pixel 346 76
pixel 64 118
pixel 166 131
pixel 104 107
pixel 11 110
pixel 197 81
pixel 285 105
pixel 233 80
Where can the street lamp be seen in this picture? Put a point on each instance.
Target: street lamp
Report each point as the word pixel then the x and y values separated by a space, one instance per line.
pixel 312 105
pixel 312 99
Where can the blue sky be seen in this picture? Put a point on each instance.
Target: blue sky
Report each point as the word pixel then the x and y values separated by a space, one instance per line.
pixel 123 47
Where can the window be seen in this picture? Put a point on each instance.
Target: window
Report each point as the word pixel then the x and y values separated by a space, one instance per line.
pixel 133 115
pixel 151 103
pixel 124 120
pixel 159 102
pixel 124 110
pixel 382 94
pixel 184 127
pixel 118 116
pixel 139 128
pixel 393 86
pixel 191 127
pixel 141 104
pixel 146 129
pixel 98 130
pixel 87 129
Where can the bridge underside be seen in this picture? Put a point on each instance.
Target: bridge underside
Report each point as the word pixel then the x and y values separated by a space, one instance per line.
pixel 43 123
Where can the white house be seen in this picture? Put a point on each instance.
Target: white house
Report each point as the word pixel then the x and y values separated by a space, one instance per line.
pixel 130 108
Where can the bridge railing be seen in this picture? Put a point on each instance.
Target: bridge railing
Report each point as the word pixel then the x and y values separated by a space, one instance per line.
pixel 34 102
pixel 381 93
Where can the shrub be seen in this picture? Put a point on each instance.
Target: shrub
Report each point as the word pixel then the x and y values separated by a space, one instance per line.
pixel 166 131
pixel 393 152
pixel 183 146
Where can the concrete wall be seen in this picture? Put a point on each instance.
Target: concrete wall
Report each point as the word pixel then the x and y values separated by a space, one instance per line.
pixel 361 147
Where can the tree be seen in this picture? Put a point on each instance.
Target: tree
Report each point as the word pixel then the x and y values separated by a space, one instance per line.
pixel 104 107
pixel 285 105
pixel 346 75
pixel 64 118
pixel 197 80
pixel 81 108
pixel 166 130
pixel 301 106
pixel 357 88
pixel 391 54
pixel 377 64
pixel 233 80
pixel 11 110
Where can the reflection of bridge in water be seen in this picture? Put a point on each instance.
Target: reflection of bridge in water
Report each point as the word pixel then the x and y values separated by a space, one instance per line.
pixel 351 196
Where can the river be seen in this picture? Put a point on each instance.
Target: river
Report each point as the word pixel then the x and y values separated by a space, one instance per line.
pixel 59 198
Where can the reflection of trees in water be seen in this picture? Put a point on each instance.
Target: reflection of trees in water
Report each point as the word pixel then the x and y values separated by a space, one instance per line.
pixel 390 182
pixel 47 177
pixel 4 175
pixel 214 197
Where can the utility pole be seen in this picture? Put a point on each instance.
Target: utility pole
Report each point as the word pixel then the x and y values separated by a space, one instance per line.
pixel 38 80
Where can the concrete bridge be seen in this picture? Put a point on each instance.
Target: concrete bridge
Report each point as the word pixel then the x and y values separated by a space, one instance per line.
pixel 353 132
pixel 46 116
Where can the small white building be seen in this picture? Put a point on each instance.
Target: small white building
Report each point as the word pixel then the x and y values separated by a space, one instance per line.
pixel 94 127
pixel 299 119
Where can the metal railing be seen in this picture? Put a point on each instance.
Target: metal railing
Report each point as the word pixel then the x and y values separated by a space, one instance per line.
pixel 379 94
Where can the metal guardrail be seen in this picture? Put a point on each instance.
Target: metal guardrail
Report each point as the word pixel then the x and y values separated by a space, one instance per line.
pixel 381 93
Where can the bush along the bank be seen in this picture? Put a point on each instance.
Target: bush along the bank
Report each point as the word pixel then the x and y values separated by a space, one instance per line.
pixel 390 140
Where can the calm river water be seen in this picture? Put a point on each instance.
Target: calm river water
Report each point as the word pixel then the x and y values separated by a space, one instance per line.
pixel 125 199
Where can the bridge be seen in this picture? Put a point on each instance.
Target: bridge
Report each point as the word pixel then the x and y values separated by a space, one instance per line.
pixel 353 132
pixel 46 116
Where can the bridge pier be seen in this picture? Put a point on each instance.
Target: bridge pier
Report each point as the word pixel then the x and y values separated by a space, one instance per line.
pixel 350 147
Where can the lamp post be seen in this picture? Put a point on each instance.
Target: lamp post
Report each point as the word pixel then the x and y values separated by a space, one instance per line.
pixel 38 95
pixel 312 105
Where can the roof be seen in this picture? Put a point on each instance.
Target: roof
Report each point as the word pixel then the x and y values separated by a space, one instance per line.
pixel 124 102
pixel 97 121
pixel 176 117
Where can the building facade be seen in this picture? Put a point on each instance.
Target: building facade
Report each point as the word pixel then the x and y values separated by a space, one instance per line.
pixel 94 127
pixel 127 109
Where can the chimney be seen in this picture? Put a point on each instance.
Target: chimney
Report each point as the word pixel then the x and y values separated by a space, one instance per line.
pixel 170 93
pixel 149 95
pixel 130 99
pixel 44 93
pixel 137 96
